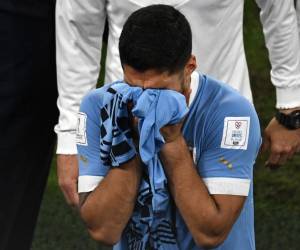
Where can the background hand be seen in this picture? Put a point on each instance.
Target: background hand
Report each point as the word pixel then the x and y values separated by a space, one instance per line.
pixel 67 174
pixel 281 142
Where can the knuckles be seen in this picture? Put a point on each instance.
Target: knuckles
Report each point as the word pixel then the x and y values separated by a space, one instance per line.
pixel 282 149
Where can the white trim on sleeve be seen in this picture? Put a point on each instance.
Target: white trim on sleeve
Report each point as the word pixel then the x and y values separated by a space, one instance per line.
pixel 288 97
pixel 228 186
pixel 87 183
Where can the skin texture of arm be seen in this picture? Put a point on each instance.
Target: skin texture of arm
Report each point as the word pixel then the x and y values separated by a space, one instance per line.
pixel 208 217
pixel 67 174
pixel 107 209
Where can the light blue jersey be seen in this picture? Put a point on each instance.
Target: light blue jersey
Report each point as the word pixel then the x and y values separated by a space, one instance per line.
pixel 222 131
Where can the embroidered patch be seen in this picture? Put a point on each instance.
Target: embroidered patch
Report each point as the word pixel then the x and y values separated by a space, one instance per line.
pixel 81 129
pixel 235 133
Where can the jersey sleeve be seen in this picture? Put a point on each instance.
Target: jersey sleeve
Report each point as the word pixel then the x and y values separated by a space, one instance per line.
pixel 229 151
pixel 91 168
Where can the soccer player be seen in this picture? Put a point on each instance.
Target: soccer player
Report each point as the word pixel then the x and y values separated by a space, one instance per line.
pixel 207 158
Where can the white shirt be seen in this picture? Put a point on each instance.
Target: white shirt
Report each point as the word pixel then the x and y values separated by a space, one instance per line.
pixel 217 28
pixel 298 16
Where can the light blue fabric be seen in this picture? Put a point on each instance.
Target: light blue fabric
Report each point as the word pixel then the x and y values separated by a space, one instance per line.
pixel 116 145
pixel 203 129
pixel 155 109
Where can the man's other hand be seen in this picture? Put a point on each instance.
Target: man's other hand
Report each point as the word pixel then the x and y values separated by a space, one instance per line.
pixel 67 173
pixel 171 132
pixel 281 142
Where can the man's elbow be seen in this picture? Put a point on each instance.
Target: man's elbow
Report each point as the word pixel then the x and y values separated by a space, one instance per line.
pixel 209 241
pixel 98 231
pixel 104 236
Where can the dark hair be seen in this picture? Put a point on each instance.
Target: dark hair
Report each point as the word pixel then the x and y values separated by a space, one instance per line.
pixel 156 37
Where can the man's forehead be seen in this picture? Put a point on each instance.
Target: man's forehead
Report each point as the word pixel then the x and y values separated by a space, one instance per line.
pixel 148 78
pixel 146 73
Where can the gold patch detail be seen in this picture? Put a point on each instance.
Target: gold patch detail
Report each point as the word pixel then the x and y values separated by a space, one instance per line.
pixel 84 159
pixel 225 162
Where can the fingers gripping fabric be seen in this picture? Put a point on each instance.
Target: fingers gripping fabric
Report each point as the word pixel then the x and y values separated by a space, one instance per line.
pixel 116 144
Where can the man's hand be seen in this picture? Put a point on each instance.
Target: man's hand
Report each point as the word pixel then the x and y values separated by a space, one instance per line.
pixel 282 143
pixel 67 173
pixel 171 132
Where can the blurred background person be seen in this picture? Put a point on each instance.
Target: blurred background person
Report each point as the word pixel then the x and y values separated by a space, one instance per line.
pixel 28 93
pixel 282 135
pixel 297 6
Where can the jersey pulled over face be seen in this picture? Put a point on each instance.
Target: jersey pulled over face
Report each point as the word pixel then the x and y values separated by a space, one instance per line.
pixel 223 133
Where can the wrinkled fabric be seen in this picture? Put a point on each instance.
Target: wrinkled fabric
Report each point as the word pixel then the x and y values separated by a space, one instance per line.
pixel 151 223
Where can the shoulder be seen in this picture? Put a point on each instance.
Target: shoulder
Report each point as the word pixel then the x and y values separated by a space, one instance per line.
pixel 226 101
pixel 96 97
pixel 93 102
pixel 95 94
pixel 229 116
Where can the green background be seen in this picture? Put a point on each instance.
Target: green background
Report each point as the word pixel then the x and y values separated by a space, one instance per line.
pixel 277 192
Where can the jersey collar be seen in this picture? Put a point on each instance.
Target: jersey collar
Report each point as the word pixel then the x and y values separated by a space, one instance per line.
pixel 194 86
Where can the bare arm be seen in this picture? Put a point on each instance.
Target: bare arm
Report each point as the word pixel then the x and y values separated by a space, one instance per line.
pixel 67 175
pixel 208 217
pixel 107 209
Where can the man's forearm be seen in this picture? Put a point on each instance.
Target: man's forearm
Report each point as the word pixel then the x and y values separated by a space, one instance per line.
pixel 208 222
pixel 108 208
